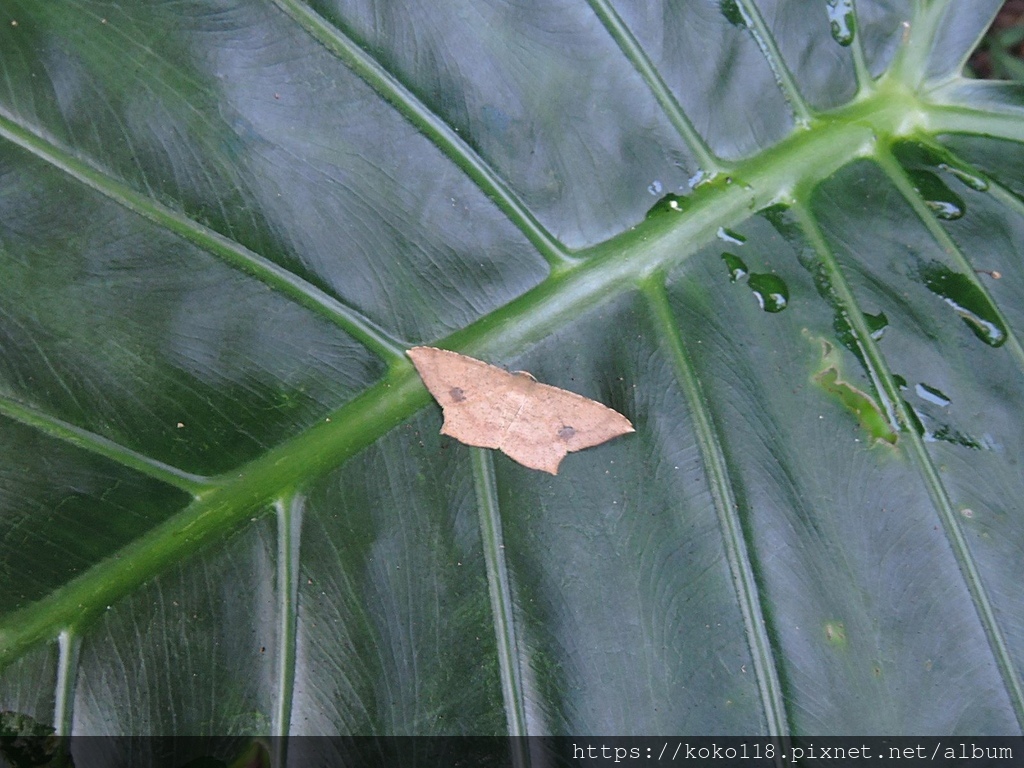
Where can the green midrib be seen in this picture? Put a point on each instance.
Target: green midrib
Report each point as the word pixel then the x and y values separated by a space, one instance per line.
pixel 607 270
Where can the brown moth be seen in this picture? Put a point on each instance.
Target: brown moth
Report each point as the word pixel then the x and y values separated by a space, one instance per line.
pixel 533 423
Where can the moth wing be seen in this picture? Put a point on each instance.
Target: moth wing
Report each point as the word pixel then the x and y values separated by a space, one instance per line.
pixel 555 422
pixel 464 388
pixel 488 407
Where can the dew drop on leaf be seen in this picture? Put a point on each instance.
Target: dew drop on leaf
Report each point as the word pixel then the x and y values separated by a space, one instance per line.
pixel 967 300
pixel 670 203
pixel 730 237
pixel 932 395
pixel 771 291
pixel 943 201
pixel 783 221
pixel 737 269
pixel 842 21
pixel 876 324
pixel 914 155
pixel 733 13
pixel 972 180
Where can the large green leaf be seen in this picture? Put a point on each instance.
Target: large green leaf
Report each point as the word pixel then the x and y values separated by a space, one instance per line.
pixel 225 507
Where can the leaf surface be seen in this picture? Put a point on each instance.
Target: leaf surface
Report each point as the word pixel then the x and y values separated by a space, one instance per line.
pixel 766 231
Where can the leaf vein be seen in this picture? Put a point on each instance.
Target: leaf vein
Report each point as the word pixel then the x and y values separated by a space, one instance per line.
pixel 733 538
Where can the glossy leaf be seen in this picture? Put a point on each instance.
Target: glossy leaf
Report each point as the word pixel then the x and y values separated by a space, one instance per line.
pixel 783 238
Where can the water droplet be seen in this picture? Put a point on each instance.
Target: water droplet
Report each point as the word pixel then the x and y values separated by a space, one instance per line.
pixel 654 188
pixel 842 20
pixel 697 179
pixel 783 221
pixel 972 180
pixel 730 237
pixel 967 300
pixel 915 419
pixel 670 203
pixel 876 324
pixel 914 155
pixel 733 13
pixel 900 381
pixel 946 434
pixel 989 443
pixel 841 324
pixel 771 291
pixel 943 433
pixel 932 395
pixel 943 201
pixel 737 269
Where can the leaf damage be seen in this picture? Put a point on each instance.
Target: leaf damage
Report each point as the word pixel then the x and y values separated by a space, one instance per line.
pixel 871 417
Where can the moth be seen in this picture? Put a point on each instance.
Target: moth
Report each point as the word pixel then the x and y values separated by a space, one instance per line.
pixel 533 423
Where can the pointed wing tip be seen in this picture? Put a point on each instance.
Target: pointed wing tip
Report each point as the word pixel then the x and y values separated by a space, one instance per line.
pixel 623 425
pixel 419 352
pixel 415 354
